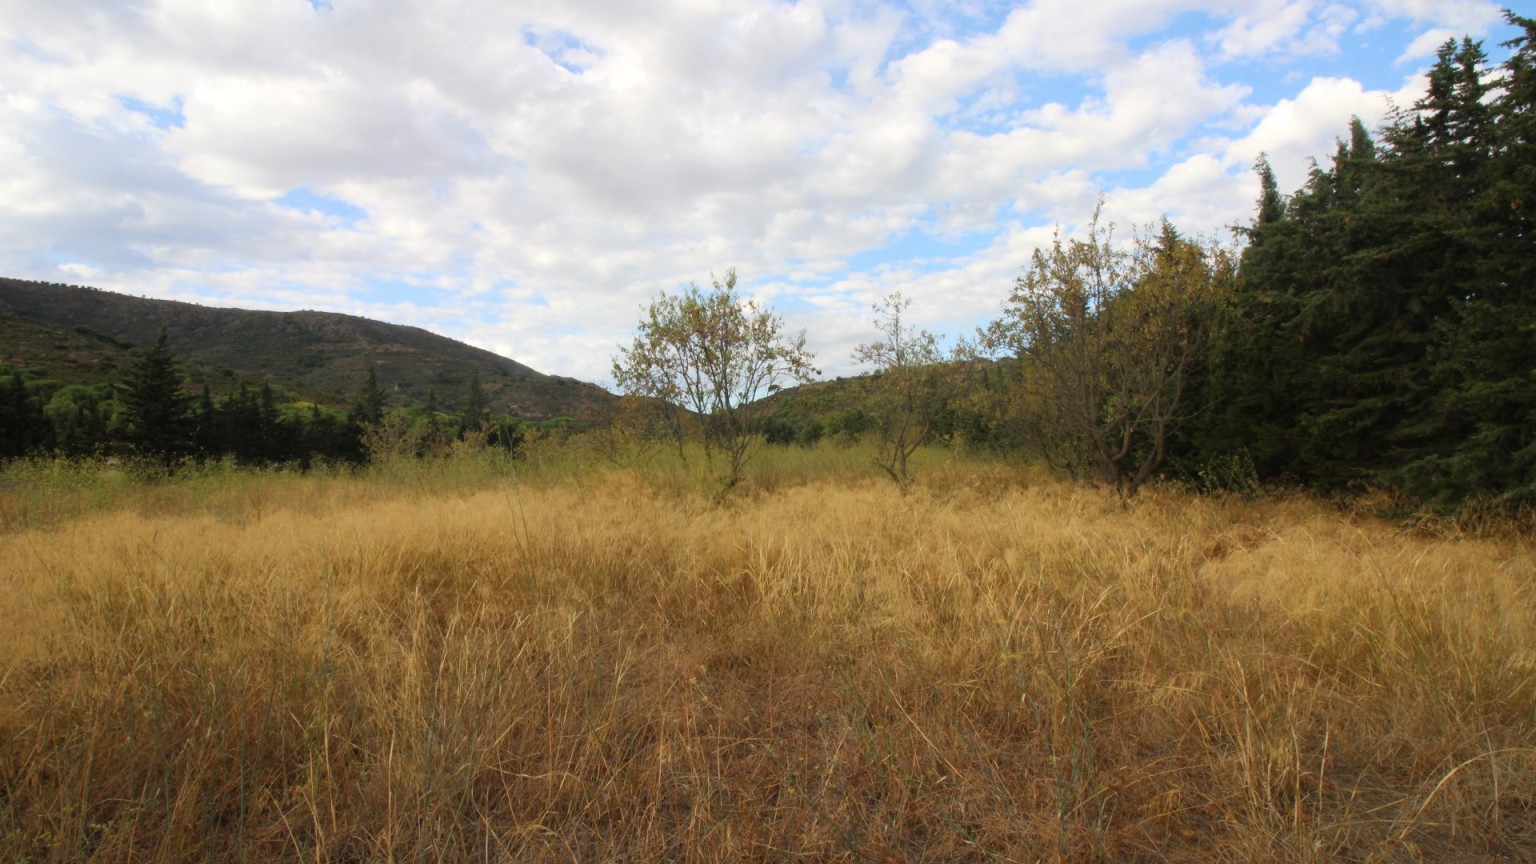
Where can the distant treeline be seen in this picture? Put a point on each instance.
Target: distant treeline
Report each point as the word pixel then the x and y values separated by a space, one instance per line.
pixel 150 414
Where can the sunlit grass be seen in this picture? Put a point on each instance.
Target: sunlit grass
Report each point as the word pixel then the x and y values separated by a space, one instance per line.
pixel 564 659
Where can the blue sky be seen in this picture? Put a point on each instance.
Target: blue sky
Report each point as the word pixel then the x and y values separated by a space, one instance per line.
pixel 525 176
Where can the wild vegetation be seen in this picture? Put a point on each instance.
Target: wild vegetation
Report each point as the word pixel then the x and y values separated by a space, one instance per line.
pixel 553 658
pixel 707 359
pixel 1374 330
pixel 221 641
pixel 1382 328
pixel 56 337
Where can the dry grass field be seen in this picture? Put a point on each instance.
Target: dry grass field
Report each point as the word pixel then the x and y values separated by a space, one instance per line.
pixel 605 664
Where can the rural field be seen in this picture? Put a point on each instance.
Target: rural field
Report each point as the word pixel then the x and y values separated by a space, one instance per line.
pixel 554 660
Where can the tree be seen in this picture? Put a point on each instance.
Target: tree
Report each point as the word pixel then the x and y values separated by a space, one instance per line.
pixel 1381 332
pixel 1476 435
pixel 433 439
pixel 1106 341
pixel 23 422
pixel 712 354
pixel 155 408
pixel 240 425
pixel 79 418
pixel 205 426
pixel 911 390
pixel 474 414
pixel 368 410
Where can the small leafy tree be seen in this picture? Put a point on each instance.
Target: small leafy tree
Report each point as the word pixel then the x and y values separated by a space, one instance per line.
pixel 912 387
pixel 713 354
pixel 1107 339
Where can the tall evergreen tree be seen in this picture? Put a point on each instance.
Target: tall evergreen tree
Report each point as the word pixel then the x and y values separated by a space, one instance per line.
pixel 434 433
pixel 1479 429
pixel 23 425
pixel 1385 326
pixel 1253 390
pixel 155 407
pixel 205 426
pixel 368 410
pixel 475 414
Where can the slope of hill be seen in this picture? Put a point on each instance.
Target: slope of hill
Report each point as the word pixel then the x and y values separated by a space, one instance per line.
pixel 324 353
pixel 67 356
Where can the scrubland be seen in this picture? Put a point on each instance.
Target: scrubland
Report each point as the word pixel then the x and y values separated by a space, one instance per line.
pixel 560 662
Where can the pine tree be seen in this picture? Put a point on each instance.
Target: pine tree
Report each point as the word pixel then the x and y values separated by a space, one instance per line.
pixel 155 408
pixel 1385 326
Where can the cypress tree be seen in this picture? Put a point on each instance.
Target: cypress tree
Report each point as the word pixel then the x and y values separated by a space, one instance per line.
pixel 1384 329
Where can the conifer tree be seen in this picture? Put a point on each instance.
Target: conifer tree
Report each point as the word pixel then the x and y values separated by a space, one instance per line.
pixel 368 410
pixel 1384 330
pixel 205 432
pixel 23 425
pixel 1478 432
pixel 434 435
pixel 474 415
pixel 155 408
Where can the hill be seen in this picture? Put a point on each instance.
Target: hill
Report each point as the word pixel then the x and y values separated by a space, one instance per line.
pixel 81 334
pixel 68 356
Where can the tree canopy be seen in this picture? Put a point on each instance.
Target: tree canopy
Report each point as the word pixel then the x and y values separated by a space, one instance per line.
pixel 714 354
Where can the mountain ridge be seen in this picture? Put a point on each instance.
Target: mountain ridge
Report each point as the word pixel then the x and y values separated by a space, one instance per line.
pixel 324 353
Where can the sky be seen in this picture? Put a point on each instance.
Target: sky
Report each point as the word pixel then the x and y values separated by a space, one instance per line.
pixel 526 175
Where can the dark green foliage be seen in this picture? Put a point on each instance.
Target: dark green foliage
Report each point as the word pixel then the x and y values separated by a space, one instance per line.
pixel 368 410
pixel 433 438
pixel 331 435
pixel 157 422
pixel 1384 328
pixel 316 353
pixel 206 440
pixel 474 414
pixel 80 419
pixel 23 425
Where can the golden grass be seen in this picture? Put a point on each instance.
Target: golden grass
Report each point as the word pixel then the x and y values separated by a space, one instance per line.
pixel 603 665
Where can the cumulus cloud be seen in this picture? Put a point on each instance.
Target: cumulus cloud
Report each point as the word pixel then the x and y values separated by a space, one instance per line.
pixel 1296 27
pixel 525 176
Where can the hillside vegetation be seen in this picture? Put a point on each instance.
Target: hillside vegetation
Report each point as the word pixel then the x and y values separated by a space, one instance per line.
pixel 556 659
pixel 323 353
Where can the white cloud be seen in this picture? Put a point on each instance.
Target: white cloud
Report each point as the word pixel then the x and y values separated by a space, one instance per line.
pixel 540 170
pixel 1462 16
pixel 1427 44
pixel 1444 19
pixel 1295 27
pixel 1296 130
